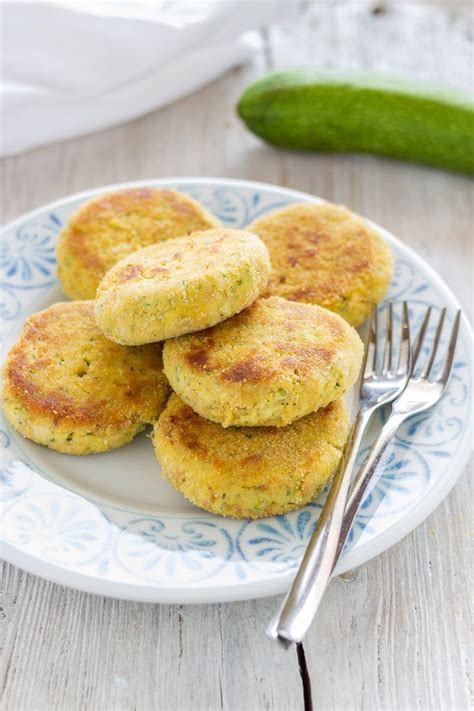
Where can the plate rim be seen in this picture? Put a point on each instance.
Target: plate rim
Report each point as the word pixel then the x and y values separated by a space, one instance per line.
pixel 253 589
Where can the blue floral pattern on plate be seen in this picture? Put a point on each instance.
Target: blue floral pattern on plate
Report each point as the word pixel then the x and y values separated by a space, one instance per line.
pixel 199 551
pixel 28 259
pixel 278 543
pixel 163 550
pixel 60 527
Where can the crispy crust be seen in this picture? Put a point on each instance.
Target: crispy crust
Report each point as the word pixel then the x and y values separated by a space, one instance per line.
pixel 324 254
pixel 107 228
pixel 181 285
pixel 272 363
pixel 249 471
pixel 281 323
pixel 68 387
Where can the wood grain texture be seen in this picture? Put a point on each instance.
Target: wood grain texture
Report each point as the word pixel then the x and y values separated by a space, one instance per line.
pixel 393 634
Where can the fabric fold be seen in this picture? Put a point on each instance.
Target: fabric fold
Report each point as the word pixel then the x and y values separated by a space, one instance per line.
pixel 74 68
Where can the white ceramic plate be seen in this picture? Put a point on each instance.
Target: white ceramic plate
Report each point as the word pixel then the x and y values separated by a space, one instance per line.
pixel 109 524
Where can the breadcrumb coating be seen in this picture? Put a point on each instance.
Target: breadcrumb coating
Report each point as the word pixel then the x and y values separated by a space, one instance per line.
pixel 327 255
pixel 67 387
pixel 271 364
pixel 182 285
pixel 109 227
pixel 249 472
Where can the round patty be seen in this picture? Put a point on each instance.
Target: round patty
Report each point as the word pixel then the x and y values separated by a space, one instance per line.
pixel 324 254
pixel 249 472
pixel 182 285
pixel 108 227
pixel 271 364
pixel 67 387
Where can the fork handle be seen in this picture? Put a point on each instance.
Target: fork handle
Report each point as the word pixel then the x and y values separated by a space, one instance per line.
pixel 302 601
pixel 365 475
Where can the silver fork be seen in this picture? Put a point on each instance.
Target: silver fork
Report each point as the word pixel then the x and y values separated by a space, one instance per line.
pixel 422 392
pixel 381 383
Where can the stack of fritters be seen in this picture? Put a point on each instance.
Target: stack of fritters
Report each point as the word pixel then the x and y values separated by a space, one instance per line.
pixel 256 423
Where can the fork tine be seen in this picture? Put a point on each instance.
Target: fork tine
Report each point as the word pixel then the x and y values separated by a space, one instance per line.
pixel 420 338
pixel 404 357
pixel 370 355
pixel 434 347
pixel 387 356
pixel 375 338
pixel 445 370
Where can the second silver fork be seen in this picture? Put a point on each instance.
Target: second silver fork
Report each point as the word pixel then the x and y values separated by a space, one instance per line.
pixel 424 389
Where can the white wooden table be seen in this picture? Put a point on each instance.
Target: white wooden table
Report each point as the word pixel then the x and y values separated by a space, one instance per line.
pixel 392 634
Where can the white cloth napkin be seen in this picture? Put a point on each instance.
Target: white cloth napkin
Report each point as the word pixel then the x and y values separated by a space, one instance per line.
pixel 70 68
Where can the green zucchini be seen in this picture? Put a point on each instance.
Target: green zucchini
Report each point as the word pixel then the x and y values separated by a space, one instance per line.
pixel 362 112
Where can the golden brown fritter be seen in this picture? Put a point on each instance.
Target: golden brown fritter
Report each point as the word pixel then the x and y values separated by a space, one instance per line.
pixel 109 227
pixel 67 387
pixel 182 285
pixel 274 362
pixel 324 254
pixel 249 471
